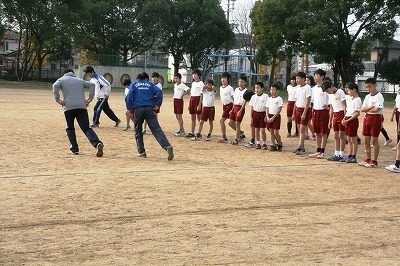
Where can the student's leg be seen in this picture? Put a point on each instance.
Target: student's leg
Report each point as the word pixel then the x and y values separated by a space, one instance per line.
pixel 128 117
pixel 200 126
pixel 211 122
pixel 302 137
pixel 223 127
pixel 342 142
pixel 277 136
pixel 110 113
pixel 193 118
pixel 324 140
pixel 140 115
pixel 70 118
pixel 257 131
pixel 375 142
pixel 319 140
pixel 238 130
pixel 155 128
pixel 367 145
pixel 337 140
pixel 198 117
pixel 263 135
pixel 96 113
pixel 232 124
pixel 180 121
pixel 82 118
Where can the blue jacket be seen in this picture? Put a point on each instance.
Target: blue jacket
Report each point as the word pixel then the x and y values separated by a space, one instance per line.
pixel 141 93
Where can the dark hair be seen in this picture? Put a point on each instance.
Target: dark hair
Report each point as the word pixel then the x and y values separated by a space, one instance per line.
pixel 311 78
pixel 178 75
pixel 328 79
pixel 127 82
pixel 352 86
pixel 301 75
pixel 326 85
pixel 244 78
pixel 260 84
pixel 197 71
pixel 66 70
pixel 320 72
pixel 226 75
pixel 292 77
pixel 145 75
pixel 142 76
pixel 210 81
pixel 88 69
pixel 370 81
pixel 155 75
pixel 276 86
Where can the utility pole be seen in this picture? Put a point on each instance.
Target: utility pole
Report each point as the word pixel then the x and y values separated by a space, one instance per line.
pixel 231 7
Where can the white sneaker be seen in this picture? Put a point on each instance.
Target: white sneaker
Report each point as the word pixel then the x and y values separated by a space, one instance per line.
pixel 387 142
pixel 394 148
pixel 315 154
pixel 126 127
pixel 321 155
pixel 393 168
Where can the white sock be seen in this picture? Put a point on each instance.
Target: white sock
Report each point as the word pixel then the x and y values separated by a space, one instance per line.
pixel 257 142
pixel 341 154
pixel 336 152
pixel 264 142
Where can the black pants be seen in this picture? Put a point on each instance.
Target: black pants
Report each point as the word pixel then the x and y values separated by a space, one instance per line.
pixel 82 118
pixel 102 104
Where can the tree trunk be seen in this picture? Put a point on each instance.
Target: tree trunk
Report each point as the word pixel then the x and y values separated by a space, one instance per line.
pixel 289 57
pixel 273 67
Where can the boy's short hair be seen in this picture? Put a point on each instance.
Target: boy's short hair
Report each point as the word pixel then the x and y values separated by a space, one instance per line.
pixel 155 75
pixel 197 71
pixel 326 85
pixel 370 81
pixel 226 75
pixel 244 78
pixel 320 72
pixel 276 86
pixel 301 75
pixel 292 77
pixel 352 86
pixel 312 80
pixel 67 70
pixel 127 82
pixel 210 81
pixel 260 84
pixel 178 75
pixel 88 69
pixel 145 75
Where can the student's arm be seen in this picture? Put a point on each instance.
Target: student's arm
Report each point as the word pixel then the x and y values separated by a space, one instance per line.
pixel 159 94
pixel 330 116
pixel 56 91
pixel 242 108
pixel 393 112
pixel 308 100
pixel 201 101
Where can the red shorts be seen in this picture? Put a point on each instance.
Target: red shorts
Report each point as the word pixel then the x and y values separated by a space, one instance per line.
pixel 233 114
pixel 207 113
pixel 320 121
pixel 372 125
pixel 276 124
pixel 178 106
pixel 299 113
pixel 351 128
pixel 337 121
pixel 155 102
pixel 193 104
pixel 290 108
pixel 226 109
pixel 258 119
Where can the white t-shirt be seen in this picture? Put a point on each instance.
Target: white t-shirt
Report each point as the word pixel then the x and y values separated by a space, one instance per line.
pixel 397 101
pixel 376 101
pixel 302 93
pixel 179 90
pixel 126 91
pixel 259 102
pixel 197 88
pixel 238 96
pixel 273 104
pixel 208 98
pixel 321 98
pixel 291 92
pixel 352 105
pixel 336 100
pixel 226 94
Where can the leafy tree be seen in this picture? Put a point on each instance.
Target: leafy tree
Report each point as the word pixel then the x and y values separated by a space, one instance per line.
pixel 391 71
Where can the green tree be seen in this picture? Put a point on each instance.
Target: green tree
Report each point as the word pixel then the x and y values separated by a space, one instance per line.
pixel 391 71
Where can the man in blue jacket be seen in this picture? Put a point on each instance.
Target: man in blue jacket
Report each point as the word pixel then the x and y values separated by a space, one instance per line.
pixel 140 101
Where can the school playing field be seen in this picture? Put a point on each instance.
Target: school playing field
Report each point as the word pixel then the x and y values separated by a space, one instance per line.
pixel 213 204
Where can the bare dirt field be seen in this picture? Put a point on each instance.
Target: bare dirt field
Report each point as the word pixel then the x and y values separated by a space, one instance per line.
pixel 213 204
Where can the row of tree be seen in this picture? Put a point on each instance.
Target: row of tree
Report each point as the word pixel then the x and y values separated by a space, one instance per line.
pixel 335 31
pixel 55 29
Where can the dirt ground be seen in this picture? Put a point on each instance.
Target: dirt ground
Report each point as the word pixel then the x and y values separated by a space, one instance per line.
pixel 213 204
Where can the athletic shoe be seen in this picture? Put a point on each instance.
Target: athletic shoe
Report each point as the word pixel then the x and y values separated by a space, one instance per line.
pixel 393 168
pixel 180 133
pixel 127 127
pixel 258 146
pixel 94 125
pixel 264 147
pixel 342 160
pixel 350 160
pixel 144 131
pixel 242 135
pixel 189 135
pixel 117 123
pixel 197 137
pixel 394 148
pixel 279 147
pixel 363 163
pixel 387 142
pixel 314 155
pixel 321 156
pixel 314 137
pixel 250 145
pixel 371 164
pixel 74 152
pixel 170 152
pixel 234 142
pixel 301 152
pixel 142 155
pixel 334 158
pixel 222 140
pixel 272 148
pixel 208 138
pixel 100 147
pixel 296 150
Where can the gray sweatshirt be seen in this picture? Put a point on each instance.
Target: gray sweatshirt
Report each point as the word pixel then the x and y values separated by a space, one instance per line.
pixel 73 90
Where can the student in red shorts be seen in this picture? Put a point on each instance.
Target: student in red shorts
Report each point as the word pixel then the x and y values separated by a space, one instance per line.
pixel 273 119
pixel 180 89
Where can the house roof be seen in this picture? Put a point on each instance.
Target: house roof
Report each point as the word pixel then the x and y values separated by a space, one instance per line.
pixel 394 45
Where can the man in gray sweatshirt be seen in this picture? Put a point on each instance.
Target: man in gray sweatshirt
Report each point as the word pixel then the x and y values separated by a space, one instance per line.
pixel 75 106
